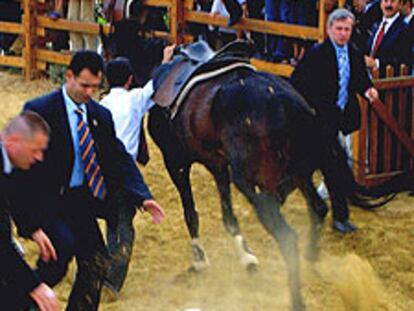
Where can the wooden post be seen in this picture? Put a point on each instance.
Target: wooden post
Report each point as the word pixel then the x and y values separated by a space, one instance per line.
pixel 29 24
pixel 402 116
pixel 322 20
pixel 412 123
pixel 373 136
pixel 176 20
pixel 388 102
pixel 359 144
pixel 341 3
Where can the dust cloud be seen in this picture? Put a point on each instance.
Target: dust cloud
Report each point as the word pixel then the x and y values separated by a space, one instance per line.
pixel 371 269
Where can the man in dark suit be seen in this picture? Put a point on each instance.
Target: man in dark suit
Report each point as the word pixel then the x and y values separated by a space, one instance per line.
pixel 22 143
pixel 84 167
pixel 387 43
pixel 408 13
pixel 329 77
pixel 367 13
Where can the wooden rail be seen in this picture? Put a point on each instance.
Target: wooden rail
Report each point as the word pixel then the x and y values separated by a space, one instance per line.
pixel 181 12
pixel 384 145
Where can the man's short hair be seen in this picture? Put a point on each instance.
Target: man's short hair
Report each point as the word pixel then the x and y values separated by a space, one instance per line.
pixel 27 124
pixel 118 71
pixel 408 1
pixel 86 59
pixel 340 15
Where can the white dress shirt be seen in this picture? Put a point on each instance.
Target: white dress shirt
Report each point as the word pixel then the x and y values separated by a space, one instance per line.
pixel 77 177
pixel 128 108
pixel 7 165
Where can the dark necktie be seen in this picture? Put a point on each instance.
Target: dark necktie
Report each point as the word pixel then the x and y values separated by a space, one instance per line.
pixel 91 167
pixel 378 39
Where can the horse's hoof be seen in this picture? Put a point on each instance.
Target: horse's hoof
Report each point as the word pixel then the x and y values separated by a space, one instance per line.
pixel 252 269
pixel 248 261
pixel 298 306
pixel 192 270
pixel 199 266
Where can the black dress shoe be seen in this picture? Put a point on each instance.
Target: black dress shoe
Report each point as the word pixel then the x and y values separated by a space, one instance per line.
pixel 344 227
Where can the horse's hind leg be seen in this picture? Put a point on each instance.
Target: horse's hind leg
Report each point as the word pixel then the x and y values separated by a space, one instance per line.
pixel 268 211
pixel 317 211
pixel 222 178
pixel 180 175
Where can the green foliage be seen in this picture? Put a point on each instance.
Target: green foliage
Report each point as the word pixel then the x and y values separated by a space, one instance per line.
pixel 56 73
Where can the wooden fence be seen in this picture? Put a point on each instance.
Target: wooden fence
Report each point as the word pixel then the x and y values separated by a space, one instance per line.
pixel 384 145
pixel 181 12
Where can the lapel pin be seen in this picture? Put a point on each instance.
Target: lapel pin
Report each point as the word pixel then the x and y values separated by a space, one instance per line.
pixel 95 122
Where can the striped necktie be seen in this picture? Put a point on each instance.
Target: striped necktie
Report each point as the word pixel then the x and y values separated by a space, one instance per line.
pixel 344 76
pixel 91 167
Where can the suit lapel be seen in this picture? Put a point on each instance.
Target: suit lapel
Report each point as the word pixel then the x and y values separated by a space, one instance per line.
pixel 374 29
pixel 352 64
pixel 63 134
pixel 392 32
pixel 93 122
pixel 1 159
pixel 1 169
pixel 331 61
pixel 92 116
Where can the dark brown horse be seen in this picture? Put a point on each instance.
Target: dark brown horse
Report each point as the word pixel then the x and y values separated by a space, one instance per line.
pixel 255 130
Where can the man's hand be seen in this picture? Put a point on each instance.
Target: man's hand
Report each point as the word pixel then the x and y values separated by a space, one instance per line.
pixel 370 62
pixel 156 211
pixel 47 251
pixel 371 94
pixel 45 298
pixel 168 53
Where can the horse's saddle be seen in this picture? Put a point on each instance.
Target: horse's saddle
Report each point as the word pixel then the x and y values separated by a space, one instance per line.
pixel 195 63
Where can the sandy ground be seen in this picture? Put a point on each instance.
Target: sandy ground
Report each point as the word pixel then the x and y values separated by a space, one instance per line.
pixel 372 269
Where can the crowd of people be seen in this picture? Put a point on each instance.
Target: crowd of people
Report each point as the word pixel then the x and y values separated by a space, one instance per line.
pixel 73 160
pixel 86 173
pixel 395 17
pixel 370 16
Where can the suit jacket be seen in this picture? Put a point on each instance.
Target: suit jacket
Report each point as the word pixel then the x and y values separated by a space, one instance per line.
pixel 410 36
pixel 363 26
pixel 394 47
pixel 13 269
pixel 51 177
pixel 316 78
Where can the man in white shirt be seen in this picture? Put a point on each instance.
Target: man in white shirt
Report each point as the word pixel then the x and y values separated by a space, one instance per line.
pixel 128 107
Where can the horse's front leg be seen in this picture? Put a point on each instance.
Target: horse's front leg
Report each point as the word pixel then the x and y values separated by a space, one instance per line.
pixel 267 207
pixel 180 175
pixel 317 211
pixel 247 258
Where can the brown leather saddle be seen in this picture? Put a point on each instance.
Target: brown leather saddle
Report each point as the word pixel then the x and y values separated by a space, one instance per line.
pixel 197 62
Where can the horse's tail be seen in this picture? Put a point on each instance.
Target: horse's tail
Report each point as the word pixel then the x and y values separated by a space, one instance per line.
pixel 340 174
pixel 385 191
